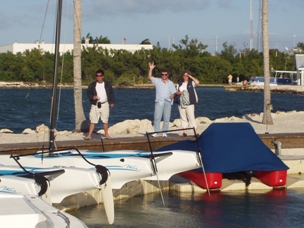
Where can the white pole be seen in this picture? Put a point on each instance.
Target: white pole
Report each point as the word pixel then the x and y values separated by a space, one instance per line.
pixel 251 25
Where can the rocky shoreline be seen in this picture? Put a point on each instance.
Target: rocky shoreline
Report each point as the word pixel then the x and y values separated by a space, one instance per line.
pixel 283 122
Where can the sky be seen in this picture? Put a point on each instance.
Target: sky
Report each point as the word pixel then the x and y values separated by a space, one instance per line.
pixel 211 22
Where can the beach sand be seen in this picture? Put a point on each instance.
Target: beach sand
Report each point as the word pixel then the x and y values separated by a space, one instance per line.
pixel 283 122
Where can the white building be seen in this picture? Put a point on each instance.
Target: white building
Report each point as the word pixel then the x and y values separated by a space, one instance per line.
pixel 21 47
pixel 299 65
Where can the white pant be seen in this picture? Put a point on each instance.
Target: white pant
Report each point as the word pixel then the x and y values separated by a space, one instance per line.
pixel 187 116
pixel 103 113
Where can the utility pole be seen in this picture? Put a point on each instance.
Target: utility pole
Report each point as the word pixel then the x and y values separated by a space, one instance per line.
pixel 251 25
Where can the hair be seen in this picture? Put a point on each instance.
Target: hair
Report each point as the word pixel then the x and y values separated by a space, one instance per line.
pixel 99 71
pixel 164 70
pixel 185 71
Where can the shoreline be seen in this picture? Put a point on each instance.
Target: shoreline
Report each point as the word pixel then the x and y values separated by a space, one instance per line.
pixel 22 85
pixel 287 89
pixel 283 123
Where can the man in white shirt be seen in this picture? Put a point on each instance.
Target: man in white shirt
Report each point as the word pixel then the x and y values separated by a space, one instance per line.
pixel 101 95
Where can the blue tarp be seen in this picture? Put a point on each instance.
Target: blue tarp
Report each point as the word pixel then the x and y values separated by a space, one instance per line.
pixel 232 147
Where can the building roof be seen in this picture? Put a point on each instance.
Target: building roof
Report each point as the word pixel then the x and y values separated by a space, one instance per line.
pixel 22 47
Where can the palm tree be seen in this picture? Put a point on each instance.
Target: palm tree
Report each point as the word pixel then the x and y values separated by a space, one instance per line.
pixel 267 119
pixel 80 120
pixel 145 41
pixel 102 40
pixel 88 36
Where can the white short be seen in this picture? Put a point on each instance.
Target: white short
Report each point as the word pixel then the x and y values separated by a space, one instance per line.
pixel 103 113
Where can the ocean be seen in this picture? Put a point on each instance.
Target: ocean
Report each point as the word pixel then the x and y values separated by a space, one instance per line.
pixel 28 108
pixel 263 209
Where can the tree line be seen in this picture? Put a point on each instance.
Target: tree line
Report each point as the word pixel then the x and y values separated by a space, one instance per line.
pixel 123 68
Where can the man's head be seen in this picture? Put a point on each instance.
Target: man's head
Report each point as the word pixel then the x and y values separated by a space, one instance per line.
pixel 99 75
pixel 164 74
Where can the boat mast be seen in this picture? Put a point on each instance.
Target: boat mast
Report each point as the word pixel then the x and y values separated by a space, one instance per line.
pixel 55 78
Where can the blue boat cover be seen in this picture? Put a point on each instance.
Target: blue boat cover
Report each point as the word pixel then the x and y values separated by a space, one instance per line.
pixel 231 147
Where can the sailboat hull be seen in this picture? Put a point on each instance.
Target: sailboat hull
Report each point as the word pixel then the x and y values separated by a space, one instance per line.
pixel 124 165
pixel 73 181
pixel 31 211
pixel 122 170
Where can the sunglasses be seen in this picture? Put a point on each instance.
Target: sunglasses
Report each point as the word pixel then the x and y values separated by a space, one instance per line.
pixel 99 75
pixel 164 74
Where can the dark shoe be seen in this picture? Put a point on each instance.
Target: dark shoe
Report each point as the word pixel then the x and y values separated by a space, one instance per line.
pixel 184 135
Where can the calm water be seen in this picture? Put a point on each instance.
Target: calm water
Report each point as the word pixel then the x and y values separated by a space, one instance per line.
pixel 269 209
pixel 23 108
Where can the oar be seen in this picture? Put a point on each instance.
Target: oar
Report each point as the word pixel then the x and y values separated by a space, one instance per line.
pixel 154 166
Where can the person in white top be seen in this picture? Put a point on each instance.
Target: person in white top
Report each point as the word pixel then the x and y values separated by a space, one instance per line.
pixel 101 95
pixel 187 86
pixel 230 79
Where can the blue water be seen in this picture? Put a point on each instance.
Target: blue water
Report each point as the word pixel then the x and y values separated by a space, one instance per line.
pixel 23 108
pixel 28 108
pixel 263 209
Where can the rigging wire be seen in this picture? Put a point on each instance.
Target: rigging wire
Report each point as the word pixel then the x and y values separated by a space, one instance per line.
pixel 46 10
pixel 27 96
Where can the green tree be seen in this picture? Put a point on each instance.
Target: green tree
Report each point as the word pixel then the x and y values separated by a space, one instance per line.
pixel 145 41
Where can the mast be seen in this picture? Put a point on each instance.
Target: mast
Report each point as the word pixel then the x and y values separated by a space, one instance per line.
pixel 55 78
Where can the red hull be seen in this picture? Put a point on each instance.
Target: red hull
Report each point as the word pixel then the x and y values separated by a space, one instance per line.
pixel 272 178
pixel 214 180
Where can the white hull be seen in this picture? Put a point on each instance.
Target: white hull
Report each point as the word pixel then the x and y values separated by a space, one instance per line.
pixel 31 211
pixel 72 181
pixel 122 170
pixel 18 185
pixel 124 165
pixel 168 163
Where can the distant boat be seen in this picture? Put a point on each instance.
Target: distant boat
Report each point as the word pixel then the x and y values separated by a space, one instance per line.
pixel 281 77
pixel 259 81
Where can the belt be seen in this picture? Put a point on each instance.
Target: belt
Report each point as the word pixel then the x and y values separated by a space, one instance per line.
pixel 100 103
